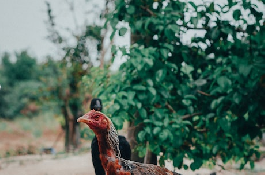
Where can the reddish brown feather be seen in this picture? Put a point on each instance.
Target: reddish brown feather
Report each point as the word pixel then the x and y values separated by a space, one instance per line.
pixel 114 165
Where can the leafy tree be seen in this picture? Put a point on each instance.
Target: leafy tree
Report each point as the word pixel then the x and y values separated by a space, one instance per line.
pixel 23 69
pixel 199 100
pixel 74 64
pixel 19 85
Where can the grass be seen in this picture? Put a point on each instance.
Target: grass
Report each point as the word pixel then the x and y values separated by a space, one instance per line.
pixel 25 135
pixel 3 126
pixel 37 124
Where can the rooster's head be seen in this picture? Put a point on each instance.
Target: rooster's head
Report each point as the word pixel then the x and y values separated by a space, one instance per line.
pixel 96 121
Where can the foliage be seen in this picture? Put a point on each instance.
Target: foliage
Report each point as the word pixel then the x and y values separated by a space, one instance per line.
pixel 23 69
pixel 75 62
pixel 19 85
pixel 199 100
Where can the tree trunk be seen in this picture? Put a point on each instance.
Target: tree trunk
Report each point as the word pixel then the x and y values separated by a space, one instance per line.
pixel 132 134
pixel 72 131
pixel 133 130
pixel 66 129
pixel 150 158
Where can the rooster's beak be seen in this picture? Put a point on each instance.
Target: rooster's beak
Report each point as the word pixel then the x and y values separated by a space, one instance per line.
pixel 84 119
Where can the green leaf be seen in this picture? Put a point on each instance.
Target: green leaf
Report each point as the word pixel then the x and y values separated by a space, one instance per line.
pixel 112 34
pixel 142 96
pixel 227 30
pixel 116 106
pixel 149 61
pixel 139 88
pixel 147 130
pixel 175 28
pixel 196 164
pixel 114 22
pixel 215 149
pixel 237 14
pixel 164 53
pixel 163 135
pixel 118 122
pixel 187 69
pixel 156 130
pixel 122 31
pixel 194 21
pixel 246 116
pixel 131 94
pixel 190 97
pixel 158 123
pixel 187 102
pixel 168 46
pixel 139 105
pixel 143 113
pixel 178 160
pixel 147 22
pixel 224 82
pixel 200 82
pixel 237 98
pixel 230 3
pixel 215 33
pixel 160 75
pixel 131 9
pixel 216 102
pixel 159 113
pixel 138 25
pixel 193 5
pixel 172 66
pixel 211 7
pixel 244 69
pixel 252 165
pixel 113 49
pixel 225 124
pixel 150 82
pixel 152 90
pixel 162 161
pixel 141 136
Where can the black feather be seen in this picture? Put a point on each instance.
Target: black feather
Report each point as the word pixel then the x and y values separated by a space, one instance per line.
pixel 124 147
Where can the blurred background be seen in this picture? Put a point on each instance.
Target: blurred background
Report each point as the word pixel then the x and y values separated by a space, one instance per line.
pixel 185 79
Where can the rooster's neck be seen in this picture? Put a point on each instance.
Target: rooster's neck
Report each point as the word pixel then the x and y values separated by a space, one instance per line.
pixel 103 144
pixel 108 154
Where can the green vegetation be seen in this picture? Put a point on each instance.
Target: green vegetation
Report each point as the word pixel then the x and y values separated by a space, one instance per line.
pixel 200 100
pixel 26 133
pixel 37 124
pixel 19 85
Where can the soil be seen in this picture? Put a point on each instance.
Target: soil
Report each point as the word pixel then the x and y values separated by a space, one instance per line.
pixel 81 164
pixel 38 163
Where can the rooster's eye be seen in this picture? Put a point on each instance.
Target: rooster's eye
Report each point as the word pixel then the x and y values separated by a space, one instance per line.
pixel 97 117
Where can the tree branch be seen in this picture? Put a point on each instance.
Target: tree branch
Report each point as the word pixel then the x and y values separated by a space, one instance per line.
pixel 203 93
pixel 148 10
pixel 195 28
pixel 184 117
pixel 170 107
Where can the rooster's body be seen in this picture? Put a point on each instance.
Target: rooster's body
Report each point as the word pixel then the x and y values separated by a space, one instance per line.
pixel 108 143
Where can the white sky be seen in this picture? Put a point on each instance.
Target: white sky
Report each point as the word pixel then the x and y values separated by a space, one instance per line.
pixel 22 27
pixel 22 23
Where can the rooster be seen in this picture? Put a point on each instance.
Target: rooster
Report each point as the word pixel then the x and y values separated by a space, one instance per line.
pixel 124 146
pixel 110 156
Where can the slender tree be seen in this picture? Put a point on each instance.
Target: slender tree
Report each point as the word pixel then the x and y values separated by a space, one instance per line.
pixel 199 100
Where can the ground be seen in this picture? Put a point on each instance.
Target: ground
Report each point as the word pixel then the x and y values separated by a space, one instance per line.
pixel 28 138
pixel 81 164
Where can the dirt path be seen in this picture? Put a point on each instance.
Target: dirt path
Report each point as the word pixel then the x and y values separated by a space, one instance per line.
pixel 48 165
pixel 81 164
